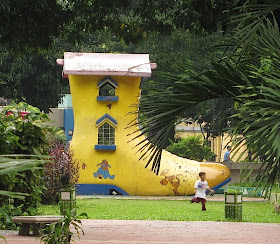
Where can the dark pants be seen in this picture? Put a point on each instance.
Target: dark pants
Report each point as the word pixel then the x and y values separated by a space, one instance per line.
pixel 202 200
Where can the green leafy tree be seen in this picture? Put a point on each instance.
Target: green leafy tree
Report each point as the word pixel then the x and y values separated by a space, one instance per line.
pixel 34 34
pixel 191 147
pixel 213 117
pixel 33 78
pixel 30 24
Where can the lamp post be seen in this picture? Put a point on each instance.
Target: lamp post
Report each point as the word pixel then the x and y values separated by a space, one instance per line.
pixel 67 200
pixel 233 205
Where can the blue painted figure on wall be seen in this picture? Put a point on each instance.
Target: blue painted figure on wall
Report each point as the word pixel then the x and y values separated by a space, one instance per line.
pixel 103 170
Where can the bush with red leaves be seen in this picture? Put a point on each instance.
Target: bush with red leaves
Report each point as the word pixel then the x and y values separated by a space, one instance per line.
pixel 61 172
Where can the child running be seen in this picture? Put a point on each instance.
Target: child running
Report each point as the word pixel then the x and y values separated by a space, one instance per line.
pixel 200 188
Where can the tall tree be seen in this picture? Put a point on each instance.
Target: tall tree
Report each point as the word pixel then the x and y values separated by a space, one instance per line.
pixel 32 24
pixel 213 116
pixel 29 28
pixel 33 78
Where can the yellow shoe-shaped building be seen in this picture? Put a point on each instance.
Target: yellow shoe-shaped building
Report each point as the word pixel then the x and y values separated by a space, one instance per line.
pixel 103 88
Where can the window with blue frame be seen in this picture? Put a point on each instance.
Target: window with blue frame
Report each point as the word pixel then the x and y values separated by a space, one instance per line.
pixel 106 127
pixel 107 90
pixel 106 134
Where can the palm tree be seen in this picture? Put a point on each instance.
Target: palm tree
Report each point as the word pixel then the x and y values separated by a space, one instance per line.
pixel 248 75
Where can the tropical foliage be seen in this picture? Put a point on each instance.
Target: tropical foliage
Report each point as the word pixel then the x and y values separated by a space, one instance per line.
pixel 248 74
pixel 24 135
pixel 191 147
pixel 33 78
pixel 13 166
pixel 60 232
pixel 24 130
pixel 32 25
pixel 29 47
pixel 213 116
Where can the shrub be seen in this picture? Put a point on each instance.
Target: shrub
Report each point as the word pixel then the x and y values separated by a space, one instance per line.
pixel 7 211
pixel 191 147
pixel 26 183
pixel 11 167
pixel 61 172
pixel 24 130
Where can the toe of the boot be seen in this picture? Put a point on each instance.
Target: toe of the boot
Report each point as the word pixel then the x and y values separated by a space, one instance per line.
pixel 217 174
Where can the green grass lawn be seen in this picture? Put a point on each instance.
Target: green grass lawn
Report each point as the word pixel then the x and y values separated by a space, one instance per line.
pixel 178 210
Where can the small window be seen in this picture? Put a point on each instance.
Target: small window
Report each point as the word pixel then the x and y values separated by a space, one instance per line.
pixel 107 90
pixel 106 135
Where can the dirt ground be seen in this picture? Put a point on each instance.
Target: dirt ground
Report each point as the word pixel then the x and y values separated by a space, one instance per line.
pixel 145 231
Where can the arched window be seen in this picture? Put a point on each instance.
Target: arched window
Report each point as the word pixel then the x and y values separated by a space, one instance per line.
pixel 106 134
pixel 106 127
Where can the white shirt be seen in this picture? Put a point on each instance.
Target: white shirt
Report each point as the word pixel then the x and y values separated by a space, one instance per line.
pixel 201 187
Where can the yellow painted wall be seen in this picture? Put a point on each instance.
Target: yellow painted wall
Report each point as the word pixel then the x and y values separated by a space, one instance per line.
pixel 177 175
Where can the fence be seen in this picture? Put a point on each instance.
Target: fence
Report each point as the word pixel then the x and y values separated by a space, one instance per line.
pixel 249 191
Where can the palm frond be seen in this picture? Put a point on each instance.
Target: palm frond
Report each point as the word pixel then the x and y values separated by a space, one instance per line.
pixel 250 77
pixel 186 90
pixel 250 19
pixel 11 194
pixel 13 164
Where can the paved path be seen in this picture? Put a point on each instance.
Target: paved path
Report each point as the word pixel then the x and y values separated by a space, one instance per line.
pixel 167 232
pixel 216 198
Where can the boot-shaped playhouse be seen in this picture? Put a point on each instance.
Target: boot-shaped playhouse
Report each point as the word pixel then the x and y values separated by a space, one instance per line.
pixel 103 88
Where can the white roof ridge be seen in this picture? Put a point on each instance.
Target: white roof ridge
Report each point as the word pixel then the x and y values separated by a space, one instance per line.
pixel 119 64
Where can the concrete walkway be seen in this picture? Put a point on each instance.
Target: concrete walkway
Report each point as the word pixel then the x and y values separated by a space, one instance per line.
pixel 214 198
pixel 169 232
